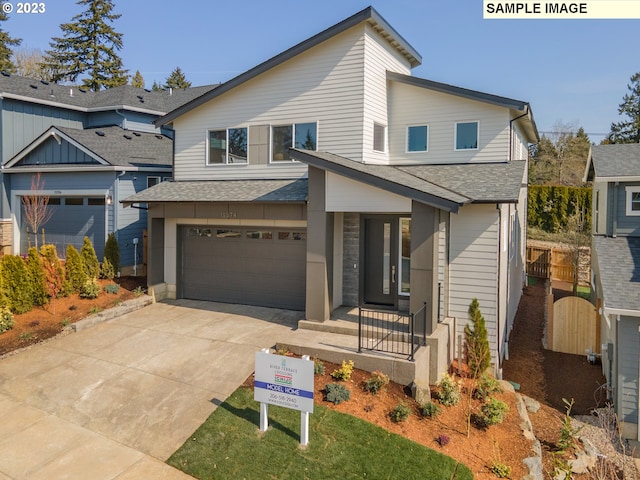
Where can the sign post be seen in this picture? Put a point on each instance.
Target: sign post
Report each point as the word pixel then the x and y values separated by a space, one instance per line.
pixel 286 382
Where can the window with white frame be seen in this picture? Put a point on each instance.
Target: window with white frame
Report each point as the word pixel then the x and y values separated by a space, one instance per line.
pixel 379 134
pixel 417 138
pixel 467 135
pixel 633 200
pixel 151 181
pixel 227 146
pixel 298 135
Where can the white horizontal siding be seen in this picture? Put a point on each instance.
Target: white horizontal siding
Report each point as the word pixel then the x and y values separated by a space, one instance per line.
pixel 323 85
pixel 473 266
pixel 410 105
pixel 345 195
pixel 380 57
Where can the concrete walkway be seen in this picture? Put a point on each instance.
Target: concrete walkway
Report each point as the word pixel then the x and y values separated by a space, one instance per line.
pixel 114 401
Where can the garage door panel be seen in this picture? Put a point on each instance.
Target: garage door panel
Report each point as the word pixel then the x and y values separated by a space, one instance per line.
pixel 254 266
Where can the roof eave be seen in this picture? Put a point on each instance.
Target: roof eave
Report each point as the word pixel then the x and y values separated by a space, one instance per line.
pixel 368 14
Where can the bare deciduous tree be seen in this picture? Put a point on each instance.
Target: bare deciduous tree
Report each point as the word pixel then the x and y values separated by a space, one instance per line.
pixel 36 207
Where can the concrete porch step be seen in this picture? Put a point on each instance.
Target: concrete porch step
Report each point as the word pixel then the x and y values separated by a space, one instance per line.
pixel 335 347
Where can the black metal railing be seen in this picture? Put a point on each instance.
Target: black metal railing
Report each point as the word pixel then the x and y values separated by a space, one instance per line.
pixel 392 332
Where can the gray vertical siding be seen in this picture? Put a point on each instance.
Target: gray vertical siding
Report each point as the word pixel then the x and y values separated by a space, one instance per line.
pixel 626 225
pixel 351 252
pixel 628 344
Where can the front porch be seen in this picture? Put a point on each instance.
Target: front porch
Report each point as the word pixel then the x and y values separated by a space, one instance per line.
pixel 336 340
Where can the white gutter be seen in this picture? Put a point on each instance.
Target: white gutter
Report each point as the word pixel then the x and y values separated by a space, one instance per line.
pixel 84 168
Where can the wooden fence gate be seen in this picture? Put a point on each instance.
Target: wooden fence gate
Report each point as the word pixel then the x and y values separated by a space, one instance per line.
pixel 573 326
pixel 553 263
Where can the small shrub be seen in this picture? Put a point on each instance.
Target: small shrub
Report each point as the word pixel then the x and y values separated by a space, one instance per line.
pixel 443 440
pixel 493 412
pixel 95 309
pixel 112 253
pixel 500 470
pixel 344 372
pixel 318 367
pixel 36 277
pixel 106 270
pixel 74 269
pixel 448 392
pixel 336 393
pixel 400 413
pixel 138 291
pixel 112 288
pixel 477 341
pixel 567 431
pixel 66 321
pixel 486 387
pixel 430 410
pixel 25 336
pixel 90 289
pixel 17 291
pixel 89 259
pixel 283 351
pixel 6 319
pixel 376 382
pixel 53 271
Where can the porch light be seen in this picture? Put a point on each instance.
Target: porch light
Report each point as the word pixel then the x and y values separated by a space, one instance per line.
pixel 109 200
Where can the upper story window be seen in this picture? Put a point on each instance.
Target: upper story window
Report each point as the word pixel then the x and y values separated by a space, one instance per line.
pixel 417 138
pixel 379 133
pixel 633 200
pixel 298 135
pixel 228 146
pixel 467 135
pixel 151 181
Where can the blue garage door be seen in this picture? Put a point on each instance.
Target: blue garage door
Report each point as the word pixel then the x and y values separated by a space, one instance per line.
pixel 72 219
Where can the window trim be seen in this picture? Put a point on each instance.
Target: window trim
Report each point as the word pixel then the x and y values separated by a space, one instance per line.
pixel 384 138
pixel 629 191
pixel 293 140
pixel 455 136
pixel 412 152
pixel 157 178
pixel 226 156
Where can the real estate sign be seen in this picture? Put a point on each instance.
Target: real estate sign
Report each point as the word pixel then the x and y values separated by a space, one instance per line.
pixel 284 381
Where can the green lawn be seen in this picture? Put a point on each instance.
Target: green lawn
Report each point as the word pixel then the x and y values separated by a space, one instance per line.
pixel 229 445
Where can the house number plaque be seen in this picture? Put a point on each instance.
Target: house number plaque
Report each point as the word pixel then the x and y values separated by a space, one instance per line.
pixel 228 214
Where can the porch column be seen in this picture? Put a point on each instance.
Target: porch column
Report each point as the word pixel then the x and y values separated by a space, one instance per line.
pixel 319 244
pixel 424 262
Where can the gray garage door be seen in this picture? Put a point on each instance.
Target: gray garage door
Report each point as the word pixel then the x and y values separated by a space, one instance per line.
pixel 72 219
pixel 252 266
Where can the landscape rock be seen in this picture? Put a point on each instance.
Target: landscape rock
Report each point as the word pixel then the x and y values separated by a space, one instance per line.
pixel 421 392
pixel 532 405
pixel 534 464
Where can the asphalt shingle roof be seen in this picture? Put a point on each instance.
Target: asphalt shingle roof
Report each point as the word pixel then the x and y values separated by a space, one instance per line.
pixel 77 98
pixel 617 160
pixel 225 191
pixel 619 263
pixel 118 147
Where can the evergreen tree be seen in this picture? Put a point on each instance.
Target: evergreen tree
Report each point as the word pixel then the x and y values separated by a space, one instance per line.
pixel 6 42
pixel 477 341
pixel 176 80
pixel 36 277
pixel 112 252
pixel 156 87
pixel 628 131
pixel 53 271
pixel 88 45
pixel 90 260
pixel 74 269
pixel 17 289
pixel 137 80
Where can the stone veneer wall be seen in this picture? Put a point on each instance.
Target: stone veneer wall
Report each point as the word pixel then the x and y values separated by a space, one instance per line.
pixel 351 257
pixel 6 237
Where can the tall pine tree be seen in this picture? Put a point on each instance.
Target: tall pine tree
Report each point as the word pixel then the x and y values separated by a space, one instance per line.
pixel 6 42
pixel 628 131
pixel 137 80
pixel 88 48
pixel 177 80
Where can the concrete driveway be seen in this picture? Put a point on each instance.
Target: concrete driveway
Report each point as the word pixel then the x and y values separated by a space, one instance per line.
pixel 114 401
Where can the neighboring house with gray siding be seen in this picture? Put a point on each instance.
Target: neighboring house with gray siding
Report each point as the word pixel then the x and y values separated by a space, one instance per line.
pixel 615 265
pixel 91 149
pixel 328 176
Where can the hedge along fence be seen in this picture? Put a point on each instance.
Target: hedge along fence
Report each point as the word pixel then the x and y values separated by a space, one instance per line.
pixel 550 207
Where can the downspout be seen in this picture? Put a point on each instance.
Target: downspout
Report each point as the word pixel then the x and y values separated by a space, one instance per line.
pixel 498 370
pixel 525 114
pixel 614 221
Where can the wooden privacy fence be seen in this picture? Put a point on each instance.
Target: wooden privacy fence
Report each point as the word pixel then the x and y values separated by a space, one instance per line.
pixel 573 326
pixel 553 263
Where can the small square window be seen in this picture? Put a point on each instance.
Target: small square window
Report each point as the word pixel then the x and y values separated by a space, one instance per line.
pixel 228 146
pixel 305 136
pixel 379 132
pixel 96 201
pixel 74 201
pixel 417 138
pixel 261 234
pixel 633 201
pixel 466 136
pixel 151 181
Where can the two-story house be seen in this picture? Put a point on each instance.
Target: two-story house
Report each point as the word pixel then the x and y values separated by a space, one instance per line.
pixel 90 149
pixel 615 265
pixel 330 176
